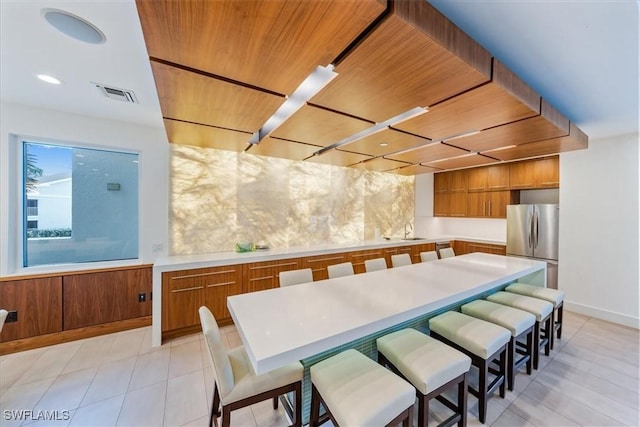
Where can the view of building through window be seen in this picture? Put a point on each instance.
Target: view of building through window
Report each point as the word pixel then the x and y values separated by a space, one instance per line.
pixel 80 205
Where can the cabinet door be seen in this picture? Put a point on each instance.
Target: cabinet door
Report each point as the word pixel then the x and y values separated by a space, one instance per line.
pixel 496 202
pixel 359 257
pixel 182 296
pixel 477 205
pixel 221 283
pixel 318 264
pixel 458 204
pixel 497 177
pixel 416 249
pixel 522 175
pixel 477 179
pixel 39 306
pixel 265 275
pixel 486 248
pixel 458 181
pixel 548 172
pixel 441 182
pixel 441 204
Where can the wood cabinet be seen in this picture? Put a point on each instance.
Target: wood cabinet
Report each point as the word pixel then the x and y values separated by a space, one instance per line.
pixel 104 297
pixel 462 247
pixel 489 178
pixel 359 257
pixel 457 181
pixel 38 303
pixel 318 264
pixel 441 182
pixel 185 291
pixel 458 204
pixel 491 204
pixel 266 275
pixel 441 204
pixel 395 250
pixel 539 173
pixel 417 249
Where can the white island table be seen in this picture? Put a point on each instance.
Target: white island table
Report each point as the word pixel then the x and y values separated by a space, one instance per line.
pixel 312 321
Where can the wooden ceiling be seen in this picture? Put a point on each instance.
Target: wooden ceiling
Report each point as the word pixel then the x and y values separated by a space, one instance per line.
pixel 223 68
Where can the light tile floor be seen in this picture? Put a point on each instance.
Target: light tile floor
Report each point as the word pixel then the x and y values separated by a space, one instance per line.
pixel 590 379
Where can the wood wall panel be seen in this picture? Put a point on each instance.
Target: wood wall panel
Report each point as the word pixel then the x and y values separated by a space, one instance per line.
pixel 39 306
pixel 205 136
pixel 396 68
pixel 193 97
pixel 270 44
pixel 95 298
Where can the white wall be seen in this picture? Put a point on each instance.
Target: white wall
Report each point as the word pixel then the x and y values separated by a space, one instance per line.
pixel 56 126
pixel 599 229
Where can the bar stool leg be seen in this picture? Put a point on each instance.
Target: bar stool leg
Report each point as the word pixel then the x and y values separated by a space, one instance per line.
pixel 548 334
pixel 462 402
pixel 531 350
pixel 560 312
pixel 511 363
pixel 503 369
pixel 482 389
pixel 536 345
pixel 423 411
pixel 315 407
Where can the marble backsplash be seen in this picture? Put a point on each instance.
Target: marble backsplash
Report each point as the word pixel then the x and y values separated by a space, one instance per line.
pixel 222 197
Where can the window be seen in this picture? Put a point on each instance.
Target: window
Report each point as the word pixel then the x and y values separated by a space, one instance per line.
pixel 80 205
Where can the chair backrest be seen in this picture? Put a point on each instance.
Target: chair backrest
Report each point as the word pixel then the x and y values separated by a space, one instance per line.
pixel 217 352
pixel 295 277
pixel 339 270
pixel 375 264
pixel 428 256
pixel 447 253
pixel 3 316
pixel 400 260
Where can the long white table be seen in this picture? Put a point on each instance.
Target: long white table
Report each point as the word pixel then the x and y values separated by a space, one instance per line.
pixel 282 325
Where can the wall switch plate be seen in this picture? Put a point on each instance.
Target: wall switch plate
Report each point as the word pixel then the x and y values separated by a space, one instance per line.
pixel 142 297
pixel 12 317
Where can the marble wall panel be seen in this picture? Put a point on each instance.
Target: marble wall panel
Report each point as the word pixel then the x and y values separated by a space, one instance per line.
pixel 222 197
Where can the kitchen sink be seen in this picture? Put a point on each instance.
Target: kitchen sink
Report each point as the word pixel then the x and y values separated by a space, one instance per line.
pixel 413 238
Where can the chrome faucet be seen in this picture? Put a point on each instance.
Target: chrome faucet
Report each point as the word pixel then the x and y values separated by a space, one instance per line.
pixel 406 233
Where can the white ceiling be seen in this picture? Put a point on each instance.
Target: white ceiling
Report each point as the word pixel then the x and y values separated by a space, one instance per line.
pixel 580 55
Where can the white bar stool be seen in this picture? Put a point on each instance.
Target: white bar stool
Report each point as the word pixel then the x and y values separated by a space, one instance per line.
pixel 520 323
pixel 539 308
pixel 447 253
pixel 400 260
pixel 295 277
pixel 428 256
pixel 482 342
pixel 554 296
pixel 432 367
pixel 375 264
pixel 356 391
pixel 339 270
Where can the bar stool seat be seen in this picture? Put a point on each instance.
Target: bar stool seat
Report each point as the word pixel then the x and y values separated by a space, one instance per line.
pixel 539 308
pixel 483 342
pixel 356 391
pixel 554 296
pixel 431 366
pixel 520 323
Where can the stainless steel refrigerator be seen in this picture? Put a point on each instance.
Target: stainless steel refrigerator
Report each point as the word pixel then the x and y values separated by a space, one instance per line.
pixel 532 232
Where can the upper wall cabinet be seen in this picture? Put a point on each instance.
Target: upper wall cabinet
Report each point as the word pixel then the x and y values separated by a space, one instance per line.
pixel 273 45
pixel 490 178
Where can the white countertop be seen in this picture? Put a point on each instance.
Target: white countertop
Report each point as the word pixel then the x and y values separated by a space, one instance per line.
pixel 282 325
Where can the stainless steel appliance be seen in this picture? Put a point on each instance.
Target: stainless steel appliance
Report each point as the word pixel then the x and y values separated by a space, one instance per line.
pixel 532 232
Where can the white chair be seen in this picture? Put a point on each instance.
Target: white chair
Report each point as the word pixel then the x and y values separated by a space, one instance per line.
pixel 375 264
pixel 339 270
pixel 236 386
pixel 3 317
pixel 428 256
pixel 356 391
pixel 400 260
pixel 295 277
pixel 447 253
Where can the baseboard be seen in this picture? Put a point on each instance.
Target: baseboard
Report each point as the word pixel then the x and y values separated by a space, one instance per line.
pixel 598 313
pixel 72 335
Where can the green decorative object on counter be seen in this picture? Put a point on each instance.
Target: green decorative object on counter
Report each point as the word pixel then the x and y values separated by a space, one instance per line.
pixel 245 247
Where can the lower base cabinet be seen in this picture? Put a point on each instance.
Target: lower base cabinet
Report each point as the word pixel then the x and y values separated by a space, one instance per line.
pixel 462 247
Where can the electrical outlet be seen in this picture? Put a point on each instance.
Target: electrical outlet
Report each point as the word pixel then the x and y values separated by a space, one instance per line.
pixel 12 317
pixel 142 297
pixel 157 247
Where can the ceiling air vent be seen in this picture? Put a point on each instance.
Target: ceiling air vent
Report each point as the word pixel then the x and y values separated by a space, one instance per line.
pixel 116 93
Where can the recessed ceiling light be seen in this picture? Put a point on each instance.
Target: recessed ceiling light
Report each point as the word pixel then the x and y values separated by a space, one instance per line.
pixel 74 26
pixel 49 79
pixel 384 144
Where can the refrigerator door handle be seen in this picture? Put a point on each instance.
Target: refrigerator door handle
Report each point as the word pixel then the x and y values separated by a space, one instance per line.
pixel 530 231
pixel 537 229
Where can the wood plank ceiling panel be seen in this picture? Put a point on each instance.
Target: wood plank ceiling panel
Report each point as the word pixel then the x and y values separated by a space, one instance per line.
pixel 186 133
pixel 193 97
pixel 380 164
pixel 406 62
pixel 503 100
pixel 576 140
pixel 428 153
pixel 313 125
pixel 465 161
pixel 549 124
pixel 270 44
pixel 338 158
pixel 374 144
pixel 283 149
pixel 414 170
